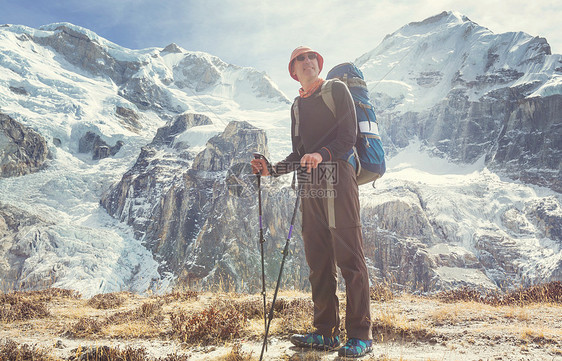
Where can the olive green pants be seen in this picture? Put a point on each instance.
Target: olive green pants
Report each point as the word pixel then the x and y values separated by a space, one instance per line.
pixel 332 237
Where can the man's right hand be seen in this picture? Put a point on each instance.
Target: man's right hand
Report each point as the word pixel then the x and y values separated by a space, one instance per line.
pixel 259 166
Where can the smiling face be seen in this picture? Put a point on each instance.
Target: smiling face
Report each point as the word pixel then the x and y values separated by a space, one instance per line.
pixel 306 68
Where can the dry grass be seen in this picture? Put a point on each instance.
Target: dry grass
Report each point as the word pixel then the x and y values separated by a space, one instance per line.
pixel 106 301
pixel 381 292
pixel 517 312
pixel 18 307
pixel 540 336
pixel 83 328
pixel 450 314
pixel 49 294
pixel 391 326
pixel 526 319
pixel 236 354
pixel 149 313
pixel 209 326
pixel 307 356
pixel 545 293
pixel 178 296
pixel 106 353
pixel 294 316
pixel 12 351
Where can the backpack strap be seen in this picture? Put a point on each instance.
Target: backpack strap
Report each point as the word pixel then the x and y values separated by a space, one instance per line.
pixel 327 97
pixel 365 107
pixel 295 110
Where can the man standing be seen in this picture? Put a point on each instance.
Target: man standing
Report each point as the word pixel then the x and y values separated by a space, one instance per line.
pixel 331 226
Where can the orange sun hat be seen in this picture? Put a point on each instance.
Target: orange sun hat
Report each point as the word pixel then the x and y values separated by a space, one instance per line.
pixel 303 50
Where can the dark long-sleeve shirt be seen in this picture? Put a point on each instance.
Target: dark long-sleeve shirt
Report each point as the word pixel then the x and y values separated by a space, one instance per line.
pixel 319 131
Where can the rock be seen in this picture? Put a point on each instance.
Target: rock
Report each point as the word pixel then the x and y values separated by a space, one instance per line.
pixel 145 94
pixel 22 150
pixel 78 49
pixel 528 146
pixel 237 142
pixel 20 232
pixel 172 48
pixel 92 143
pixel 189 217
pixel 130 117
pixel 516 135
pixel 167 134
pixel 19 90
pixel 197 72
pixel 546 214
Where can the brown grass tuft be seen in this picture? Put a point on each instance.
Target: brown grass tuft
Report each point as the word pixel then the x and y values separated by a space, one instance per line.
pixel 48 294
pixel 175 357
pixel 295 315
pixel 12 351
pixel 106 353
pixel 468 294
pixel 251 309
pixel 545 293
pixel 391 327
pixel 84 327
pixel 381 292
pixel 105 301
pixel 209 325
pixel 144 321
pixel 17 307
pixel 236 354
pixel 148 311
pixel 285 307
pixel 177 296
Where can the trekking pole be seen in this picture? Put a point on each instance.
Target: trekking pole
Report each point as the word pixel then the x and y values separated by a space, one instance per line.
pixel 285 252
pixel 262 241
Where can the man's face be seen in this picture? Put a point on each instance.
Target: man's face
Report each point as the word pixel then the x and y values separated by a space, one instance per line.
pixel 306 67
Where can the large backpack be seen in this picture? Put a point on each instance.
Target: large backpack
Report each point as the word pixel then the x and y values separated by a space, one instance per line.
pixel 367 157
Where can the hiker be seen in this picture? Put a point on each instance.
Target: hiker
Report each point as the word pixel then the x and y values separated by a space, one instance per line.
pixel 331 226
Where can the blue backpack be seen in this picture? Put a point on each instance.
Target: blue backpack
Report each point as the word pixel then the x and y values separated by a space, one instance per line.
pixel 367 157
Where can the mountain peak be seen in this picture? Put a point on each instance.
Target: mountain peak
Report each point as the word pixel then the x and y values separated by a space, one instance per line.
pixel 444 17
pixel 449 51
pixel 172 48
pixel 440 22
pixel 73 30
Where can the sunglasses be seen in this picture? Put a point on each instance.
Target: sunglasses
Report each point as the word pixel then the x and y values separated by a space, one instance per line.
pixel 310 56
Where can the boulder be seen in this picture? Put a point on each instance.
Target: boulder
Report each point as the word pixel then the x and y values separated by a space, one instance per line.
pixel 22 150
pixel 92 143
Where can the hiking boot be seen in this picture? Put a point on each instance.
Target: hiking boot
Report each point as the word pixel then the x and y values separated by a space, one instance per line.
pixel 316 341
pixel 355 348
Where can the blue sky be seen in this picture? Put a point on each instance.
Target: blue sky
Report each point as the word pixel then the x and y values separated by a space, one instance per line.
pixel 261 34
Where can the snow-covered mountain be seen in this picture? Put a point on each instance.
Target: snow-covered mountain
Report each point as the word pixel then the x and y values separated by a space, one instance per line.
pixel 469 93
pixel 64 82
pixel 421 63
pixel 451 87
pixel 136 185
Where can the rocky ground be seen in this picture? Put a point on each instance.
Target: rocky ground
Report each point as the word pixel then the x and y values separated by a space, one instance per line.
pixel 56 324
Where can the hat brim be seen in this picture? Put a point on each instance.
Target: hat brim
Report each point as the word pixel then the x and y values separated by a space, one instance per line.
pixel 303 50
